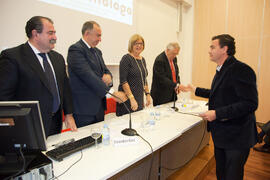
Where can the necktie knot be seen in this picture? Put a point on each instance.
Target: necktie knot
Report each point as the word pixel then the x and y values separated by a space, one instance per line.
pixel 43 55
pixel 92 50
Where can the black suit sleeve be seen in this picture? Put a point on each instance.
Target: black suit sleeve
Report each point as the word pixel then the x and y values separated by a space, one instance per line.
pixel 62 81
pixel 106 70
pixel 202 92
pixel 8 77
pixel 67 96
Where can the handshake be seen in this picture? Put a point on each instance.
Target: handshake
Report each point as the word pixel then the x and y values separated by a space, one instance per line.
pixel 183 88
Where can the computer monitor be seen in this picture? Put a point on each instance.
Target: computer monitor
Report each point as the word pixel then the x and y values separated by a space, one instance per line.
pixel 21 125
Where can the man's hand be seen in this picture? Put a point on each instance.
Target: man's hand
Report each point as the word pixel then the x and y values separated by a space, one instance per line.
pixel 188 88
pixel 209 115
pixel 107 79
pixel 70 122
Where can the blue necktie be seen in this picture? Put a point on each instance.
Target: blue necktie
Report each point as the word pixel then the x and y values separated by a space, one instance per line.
pixel 51 80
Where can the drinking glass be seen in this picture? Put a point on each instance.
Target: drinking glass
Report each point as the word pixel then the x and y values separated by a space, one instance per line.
pixel 95 134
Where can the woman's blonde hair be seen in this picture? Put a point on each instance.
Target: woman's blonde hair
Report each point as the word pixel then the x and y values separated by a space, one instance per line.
pixel 133 40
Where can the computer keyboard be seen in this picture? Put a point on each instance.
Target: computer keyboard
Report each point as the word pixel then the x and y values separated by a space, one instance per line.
pixel 65 150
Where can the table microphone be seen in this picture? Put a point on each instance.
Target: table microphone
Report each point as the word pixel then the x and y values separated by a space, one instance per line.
pixel 128 131
pixel 174 99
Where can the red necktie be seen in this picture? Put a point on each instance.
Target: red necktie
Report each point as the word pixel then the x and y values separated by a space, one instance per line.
pixel 173 71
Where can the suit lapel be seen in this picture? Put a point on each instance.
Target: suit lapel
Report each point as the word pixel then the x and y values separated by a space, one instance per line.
pixel 33 62
pixel 216 81
pixel 223 71
pixel 168 67
pixel 56 71
pixel 175 69
pixel 90 56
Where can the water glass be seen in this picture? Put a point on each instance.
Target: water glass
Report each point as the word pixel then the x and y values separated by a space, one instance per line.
pixel 96 133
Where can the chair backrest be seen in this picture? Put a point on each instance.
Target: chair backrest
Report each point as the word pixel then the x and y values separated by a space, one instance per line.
pixel 64 129
pixel 111 106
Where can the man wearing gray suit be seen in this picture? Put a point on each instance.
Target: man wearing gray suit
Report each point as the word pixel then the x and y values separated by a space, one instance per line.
pixel 90 79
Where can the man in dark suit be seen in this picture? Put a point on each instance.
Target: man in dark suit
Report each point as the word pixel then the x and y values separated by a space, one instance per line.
pixel 233 100
pixel 166 80
pixel 90 79
pixel 26 76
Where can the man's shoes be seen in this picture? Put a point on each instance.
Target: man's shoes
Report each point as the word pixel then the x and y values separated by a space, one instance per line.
pixel 263 148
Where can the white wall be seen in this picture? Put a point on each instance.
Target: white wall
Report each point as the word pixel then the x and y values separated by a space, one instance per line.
pixel 155 20
pixel 68 23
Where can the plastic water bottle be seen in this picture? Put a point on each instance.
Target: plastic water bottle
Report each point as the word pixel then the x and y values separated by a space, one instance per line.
pixel 151 120
pixel 157 115
pixel 106 135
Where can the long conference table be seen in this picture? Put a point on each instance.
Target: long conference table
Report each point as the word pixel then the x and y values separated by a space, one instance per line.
pixel 175 138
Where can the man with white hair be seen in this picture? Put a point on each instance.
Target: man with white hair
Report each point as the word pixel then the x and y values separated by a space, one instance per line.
pixel 166 80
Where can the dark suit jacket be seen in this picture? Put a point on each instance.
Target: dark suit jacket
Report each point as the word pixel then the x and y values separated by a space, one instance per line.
pixel 22 79
pixel 162 90
pixel 87 87
pixel 234 97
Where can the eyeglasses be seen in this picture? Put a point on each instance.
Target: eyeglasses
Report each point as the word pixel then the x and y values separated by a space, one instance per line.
pixel 137 44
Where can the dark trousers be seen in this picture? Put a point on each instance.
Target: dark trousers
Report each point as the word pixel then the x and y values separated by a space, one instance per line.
pixel 84 120
pixel 230 163
pixel 56 124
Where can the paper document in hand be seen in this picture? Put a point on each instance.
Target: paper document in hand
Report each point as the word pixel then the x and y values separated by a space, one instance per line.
pixel 195 109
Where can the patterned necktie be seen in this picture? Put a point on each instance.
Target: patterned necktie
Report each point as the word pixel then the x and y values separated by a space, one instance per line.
pixel 50 77
pixel 173 71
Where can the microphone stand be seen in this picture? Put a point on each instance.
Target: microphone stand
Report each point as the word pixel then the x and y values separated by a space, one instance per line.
pixel 128 131
pixel 174 99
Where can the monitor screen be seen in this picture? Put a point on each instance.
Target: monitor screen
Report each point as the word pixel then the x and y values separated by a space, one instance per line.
pixel 21 125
